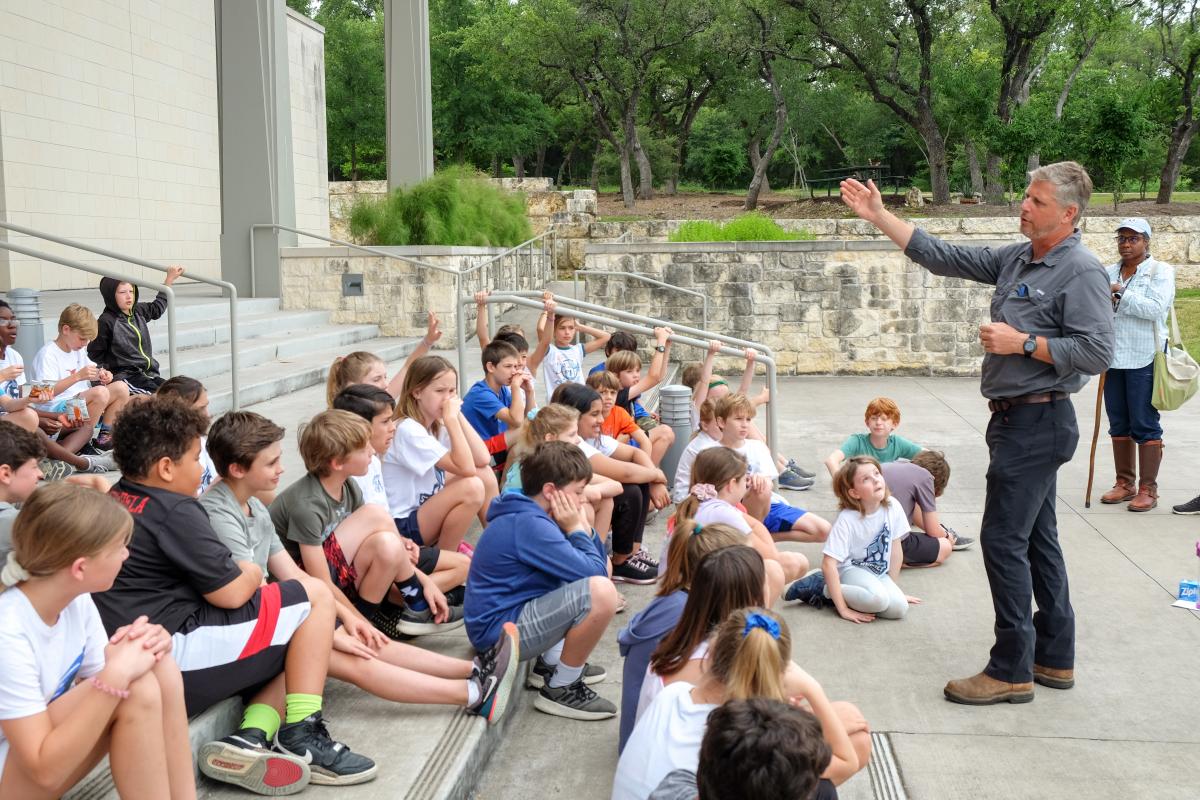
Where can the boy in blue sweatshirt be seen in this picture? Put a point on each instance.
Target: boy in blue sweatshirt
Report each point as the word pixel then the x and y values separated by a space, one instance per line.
pixel 539 564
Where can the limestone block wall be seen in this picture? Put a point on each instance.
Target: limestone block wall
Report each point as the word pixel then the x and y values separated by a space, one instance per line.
pixel 833 307
pixel 1176 240
pixel 310 156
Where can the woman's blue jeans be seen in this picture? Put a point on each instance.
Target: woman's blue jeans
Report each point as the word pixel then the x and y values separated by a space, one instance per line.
pixel 1127 394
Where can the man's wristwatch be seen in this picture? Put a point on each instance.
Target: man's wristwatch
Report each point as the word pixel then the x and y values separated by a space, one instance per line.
pixel 660 348
pixel 1030 346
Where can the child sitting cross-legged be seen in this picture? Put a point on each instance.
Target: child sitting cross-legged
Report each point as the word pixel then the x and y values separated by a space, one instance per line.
pixel 496 405
pixel 735 414
pixel 437 472
pixel 540 565
pixel 447 570
pixel 230 633
pixel 352 547
pixel 627 366
pixel 71 694
pixel 246 449
pixel 860 565
pixel 363 367
pixel 192 392
pixel 916 485
pixel 881 442
pixel 617 421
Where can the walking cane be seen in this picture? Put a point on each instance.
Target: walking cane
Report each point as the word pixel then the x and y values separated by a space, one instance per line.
pixel 1087 501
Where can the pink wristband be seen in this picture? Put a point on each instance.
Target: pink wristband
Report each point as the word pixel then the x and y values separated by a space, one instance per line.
pixel 104 687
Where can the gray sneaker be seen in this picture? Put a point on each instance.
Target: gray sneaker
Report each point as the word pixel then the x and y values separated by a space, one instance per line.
pixel 245 758
pixel 54 470
pixel 799 470
pixel 790 479
pixel 98 465
pixel 576 701
pixel 540 672
pixel 407 622
pixel 958 542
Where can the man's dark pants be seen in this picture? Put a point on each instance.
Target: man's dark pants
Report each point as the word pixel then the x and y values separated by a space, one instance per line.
pixel 1019 538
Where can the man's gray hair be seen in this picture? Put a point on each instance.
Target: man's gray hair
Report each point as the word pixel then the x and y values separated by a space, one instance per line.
pixel 1072 185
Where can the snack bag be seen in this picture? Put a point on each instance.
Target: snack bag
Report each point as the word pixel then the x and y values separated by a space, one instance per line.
pixel 41 391
pixel 76 411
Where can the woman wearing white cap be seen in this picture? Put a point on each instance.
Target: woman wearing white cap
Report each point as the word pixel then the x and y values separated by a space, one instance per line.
pixel 1143 290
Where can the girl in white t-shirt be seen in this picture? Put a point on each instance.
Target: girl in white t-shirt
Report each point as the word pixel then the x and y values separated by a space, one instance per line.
pixel 71 694
pixel 436 472
pixel 560 358
pixel 719 482
pixel 862 556
pixel 749 657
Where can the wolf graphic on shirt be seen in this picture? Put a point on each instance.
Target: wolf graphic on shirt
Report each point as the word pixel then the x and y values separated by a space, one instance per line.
pixel 439 483
pixel 876 559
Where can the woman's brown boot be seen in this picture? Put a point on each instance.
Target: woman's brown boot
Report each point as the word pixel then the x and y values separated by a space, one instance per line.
pixel 1149 459
pixel 1125 457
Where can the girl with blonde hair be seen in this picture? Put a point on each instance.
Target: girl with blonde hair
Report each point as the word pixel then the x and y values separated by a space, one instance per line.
pixel 70 693
pixel 363 367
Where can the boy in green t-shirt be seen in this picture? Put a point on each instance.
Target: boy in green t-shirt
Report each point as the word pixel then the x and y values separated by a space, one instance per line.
pixel 880 441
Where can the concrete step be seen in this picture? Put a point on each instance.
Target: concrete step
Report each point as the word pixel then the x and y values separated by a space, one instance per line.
pixel 204 333
pixel 287 374
pixel 204 362
pixel 192 311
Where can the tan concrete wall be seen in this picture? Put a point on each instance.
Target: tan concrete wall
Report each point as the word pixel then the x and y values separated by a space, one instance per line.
pixel 310 156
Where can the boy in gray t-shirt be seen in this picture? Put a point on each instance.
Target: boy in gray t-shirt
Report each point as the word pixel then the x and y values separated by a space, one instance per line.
pixel 916 485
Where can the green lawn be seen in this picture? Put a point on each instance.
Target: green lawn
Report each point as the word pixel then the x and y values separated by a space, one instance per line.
pixel 1187 308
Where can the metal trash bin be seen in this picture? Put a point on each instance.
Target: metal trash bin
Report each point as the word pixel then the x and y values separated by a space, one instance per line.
pixel 27 307
pixel 675 410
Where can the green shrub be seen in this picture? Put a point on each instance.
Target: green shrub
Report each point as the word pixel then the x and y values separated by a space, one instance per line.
pixel 457 206
pixel 751 227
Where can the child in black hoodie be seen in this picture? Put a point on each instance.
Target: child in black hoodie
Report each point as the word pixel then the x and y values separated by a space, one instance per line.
pixel 122 344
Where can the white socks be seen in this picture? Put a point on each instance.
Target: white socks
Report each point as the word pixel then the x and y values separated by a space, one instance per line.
pixel 564 675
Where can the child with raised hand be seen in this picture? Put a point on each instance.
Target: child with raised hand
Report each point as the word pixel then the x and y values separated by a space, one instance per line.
pixel 122 344
pixel 437 472
pixel 246 448
pixel 539 565
pixel 749 657
pixel 64 362
pixel 641 636
pixel 627 366
pixel 861 563
pixel 881 442
pixel 230 632
pixel 735 414
pixel 70 693
pixel 719 484
pixel 447 570
pixel 363 367
pixel 642 484
pixel 351 547
pixel 192 392
pixel 560 359
pixel 495 406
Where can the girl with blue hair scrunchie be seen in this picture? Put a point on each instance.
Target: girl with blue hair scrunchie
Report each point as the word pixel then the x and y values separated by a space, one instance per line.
pixel 750 657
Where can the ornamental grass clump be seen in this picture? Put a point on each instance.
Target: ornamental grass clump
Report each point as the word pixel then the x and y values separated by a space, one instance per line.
pixel 752 227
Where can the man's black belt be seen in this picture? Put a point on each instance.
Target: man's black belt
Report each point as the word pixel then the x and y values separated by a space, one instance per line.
pixel 1005 403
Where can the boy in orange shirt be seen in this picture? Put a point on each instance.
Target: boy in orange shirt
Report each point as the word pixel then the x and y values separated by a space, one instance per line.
pixel 618 423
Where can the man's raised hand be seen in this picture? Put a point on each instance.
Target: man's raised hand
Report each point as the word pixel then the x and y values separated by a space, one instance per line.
pixel 865 201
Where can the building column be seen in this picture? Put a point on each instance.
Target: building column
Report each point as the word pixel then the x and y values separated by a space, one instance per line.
pixel 409 103
pixel 255 124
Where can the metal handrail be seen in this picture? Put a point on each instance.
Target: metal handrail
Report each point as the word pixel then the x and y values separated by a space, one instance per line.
pixel 225 286
pixel 645 325
pixel 162 287
pixel 646 279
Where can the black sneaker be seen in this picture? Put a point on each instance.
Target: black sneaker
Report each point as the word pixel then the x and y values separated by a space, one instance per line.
pixel 494 674
pixel 403 623
pixel 643 556
pixel 245 758
pixel 576 701
pixel 456 596
pixel 540 672
pixel 330 763
pixel 809 589
pixel 633 570
pixel 1190 507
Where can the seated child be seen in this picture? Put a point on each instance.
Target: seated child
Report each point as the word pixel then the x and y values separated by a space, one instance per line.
pixel 916 485
pixel 246 448
pixel 619 341
pixel 709 435
pixel 639 639
pixel 627 366
pixel 556 422
pixel 229 632
pixel 363 367
pixel 192 392
pixel 538 565
pixel 735 415
pixel 496 404
pixel 71 694
pixel 122 344
pixel 64 362
pixel 618 423
pixel 351 547
pixel 719 482
pixel 513 334
pixel 760 748
pixel 437 472
pixel 880 442
pixel 749 657
pixel 860 565
pixel 560 359
pixel 448 571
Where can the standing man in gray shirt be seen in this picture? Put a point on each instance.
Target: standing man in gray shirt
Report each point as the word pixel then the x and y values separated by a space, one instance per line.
pixel 1051 328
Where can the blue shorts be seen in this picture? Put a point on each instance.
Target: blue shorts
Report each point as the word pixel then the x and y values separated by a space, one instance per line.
pixel 409 528
pixel 782 516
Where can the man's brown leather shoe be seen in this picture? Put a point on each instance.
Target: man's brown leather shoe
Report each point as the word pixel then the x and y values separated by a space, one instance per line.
pixel 984 690
pixel 1054 678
